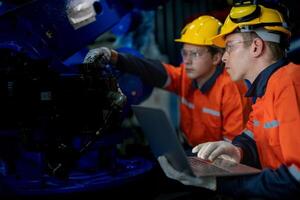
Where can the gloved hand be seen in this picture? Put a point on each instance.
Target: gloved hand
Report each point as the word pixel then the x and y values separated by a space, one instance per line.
pixel 204 182
pixel 100 56
pixel 213 150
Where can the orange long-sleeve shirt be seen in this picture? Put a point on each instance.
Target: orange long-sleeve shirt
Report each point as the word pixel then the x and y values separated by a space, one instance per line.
pixel 275 120
pixel 216 111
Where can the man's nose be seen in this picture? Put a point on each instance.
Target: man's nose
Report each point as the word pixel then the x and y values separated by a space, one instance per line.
pixel 224 57
pixel 187 60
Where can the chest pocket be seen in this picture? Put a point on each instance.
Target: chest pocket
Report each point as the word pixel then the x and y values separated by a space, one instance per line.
pixel 266 131
pixel 212 116
pixel 271 132
pixel 270 129
pixel 267 139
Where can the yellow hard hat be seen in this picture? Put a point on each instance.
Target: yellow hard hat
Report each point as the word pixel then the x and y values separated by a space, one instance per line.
pixel 249 18
pixel 200 31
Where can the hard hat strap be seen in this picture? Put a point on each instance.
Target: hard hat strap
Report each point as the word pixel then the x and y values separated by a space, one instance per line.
pixel 263 34
pixel 267 36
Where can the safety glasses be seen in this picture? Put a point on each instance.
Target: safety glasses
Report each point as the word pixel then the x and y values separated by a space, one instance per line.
pixel 192 54
pixel 231 44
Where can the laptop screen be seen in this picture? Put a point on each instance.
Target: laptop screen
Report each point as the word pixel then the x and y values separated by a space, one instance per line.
pixel 163 140
pixel 162 136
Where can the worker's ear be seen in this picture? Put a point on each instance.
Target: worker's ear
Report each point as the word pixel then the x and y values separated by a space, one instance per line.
pixel 257 47
pixel 217 58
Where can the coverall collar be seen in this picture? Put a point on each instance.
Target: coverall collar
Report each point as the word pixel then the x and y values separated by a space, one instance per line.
pixel 211 81
pixel 258 87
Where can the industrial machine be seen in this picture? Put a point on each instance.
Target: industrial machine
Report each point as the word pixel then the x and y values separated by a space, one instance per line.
pixel 60 119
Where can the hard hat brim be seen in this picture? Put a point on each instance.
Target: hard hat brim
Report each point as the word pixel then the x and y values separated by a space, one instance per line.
pixel 193 43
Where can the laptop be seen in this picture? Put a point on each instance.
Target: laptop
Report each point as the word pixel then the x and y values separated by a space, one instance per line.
pixel 163 140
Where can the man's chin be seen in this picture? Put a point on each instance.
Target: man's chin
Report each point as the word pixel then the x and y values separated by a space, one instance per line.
pixel 191 76
pixel 234 77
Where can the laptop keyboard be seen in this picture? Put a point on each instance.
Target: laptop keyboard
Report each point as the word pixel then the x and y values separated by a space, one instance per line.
pixel 202 167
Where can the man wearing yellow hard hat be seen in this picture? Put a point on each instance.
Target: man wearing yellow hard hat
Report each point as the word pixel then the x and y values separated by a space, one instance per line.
pixel 255 38
pixel 212 106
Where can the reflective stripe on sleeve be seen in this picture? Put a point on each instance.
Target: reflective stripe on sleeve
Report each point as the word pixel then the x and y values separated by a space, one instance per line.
pixel 211 111
pixel 187 103
pixel 295 172
pixel 271 124
pixel 256 122
pixel 249 133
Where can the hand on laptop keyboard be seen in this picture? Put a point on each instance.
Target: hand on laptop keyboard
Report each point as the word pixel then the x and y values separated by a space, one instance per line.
pixel 212 150
pixel 208 182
